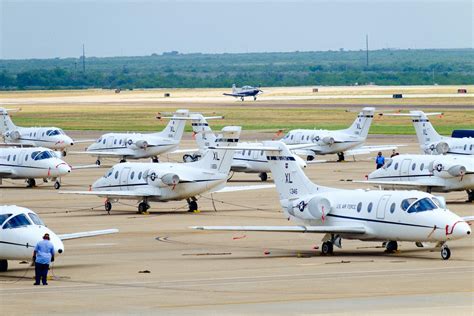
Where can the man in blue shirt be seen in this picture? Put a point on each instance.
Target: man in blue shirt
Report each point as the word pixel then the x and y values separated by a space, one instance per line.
pixel 379 160
pixel 42 257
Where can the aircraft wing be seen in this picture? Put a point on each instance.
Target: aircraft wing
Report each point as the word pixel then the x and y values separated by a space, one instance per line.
pixel 469 219
pixel 235 94
pixel 5 172
pixel 400 183
pixel 88 234
pixel 184 151
pixel 98 153
pixel 112 194
pixel 85 167
pixel 288 229
pixel 239 166
pixel 236 188
pixel 81 141
pixel 368 149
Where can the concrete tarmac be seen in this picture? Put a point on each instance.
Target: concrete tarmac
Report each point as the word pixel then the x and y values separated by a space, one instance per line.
pixel 156 265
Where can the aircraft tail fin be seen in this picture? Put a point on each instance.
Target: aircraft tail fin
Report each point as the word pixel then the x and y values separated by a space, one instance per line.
pixel 361 125
pixel 425 132
pixel 290 180
pixel 220 160
pixel 6 123
pixel 202 132
pixel 175 128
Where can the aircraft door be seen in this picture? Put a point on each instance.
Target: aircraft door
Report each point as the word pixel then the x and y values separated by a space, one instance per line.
pixel 21 158
pixel 298 139
pixel 382 206
pixel 124 178
pixel 110 142
pixel 405 169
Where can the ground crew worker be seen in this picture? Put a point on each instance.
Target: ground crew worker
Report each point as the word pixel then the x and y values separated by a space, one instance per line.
pixel 379 160
pixel 42 257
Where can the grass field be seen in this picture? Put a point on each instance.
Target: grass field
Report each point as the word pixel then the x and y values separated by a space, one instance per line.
pixel 107 115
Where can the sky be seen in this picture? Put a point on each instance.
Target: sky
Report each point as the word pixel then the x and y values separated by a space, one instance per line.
pixel 50 29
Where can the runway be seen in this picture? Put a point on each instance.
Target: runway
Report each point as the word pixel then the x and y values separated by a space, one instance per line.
pixel 156 265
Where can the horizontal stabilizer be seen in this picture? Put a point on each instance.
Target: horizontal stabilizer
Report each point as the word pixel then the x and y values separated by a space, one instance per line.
pixel 368 149
pixel 112 194
pixel 81 141
pixel 244 188
pixel 288 229
pixel 98 153
pixel 88 234
pixel 93 166
pixel 399 183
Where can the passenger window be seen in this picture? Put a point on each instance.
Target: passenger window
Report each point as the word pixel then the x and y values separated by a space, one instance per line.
pixel 302 137
pixel 389 164
pixel 470 147
pixel 249 152
pixel 392 208
pixel 17 221
pixel 396 166
pixel 422 166
pixel 115 142
pixel 369 207
pixel 465 147
pixel 116 175
pixel 307 138
pixel 140 175
pixel 103 141
pixel 26 158
pixel 14 157
pixel 8 158
pixel 120 142
pixel 359 207
pixel 413 167
pixel 132 175
pixel 291 137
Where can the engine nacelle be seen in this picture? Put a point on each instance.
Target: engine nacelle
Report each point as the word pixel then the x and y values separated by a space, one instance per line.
pixel 316 208
pixel 141 144
pixel 457 170
pixel 442 148
pixel 328 140
pixel 163 180
pixel 13 135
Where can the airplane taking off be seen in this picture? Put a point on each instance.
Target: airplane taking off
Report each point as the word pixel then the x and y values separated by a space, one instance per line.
pixel 49 137
pixel 162 182
pixel 433 143
pixel 138 145
pixel 245 160
pixel 21 229
pixel 245 91
pixel 387 216
pixel 341 142
pixel 438 173
pixel 31 163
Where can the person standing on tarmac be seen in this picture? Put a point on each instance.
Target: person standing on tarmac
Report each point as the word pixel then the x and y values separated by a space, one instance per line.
pixel 379 160
pixel 42 257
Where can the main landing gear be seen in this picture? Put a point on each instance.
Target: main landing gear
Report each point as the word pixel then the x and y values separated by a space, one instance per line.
pixel 340 157
pixel 192 204
pixel 123 160
pixel 97 162
pixel 30 183
pixel 263 176
pixel 327 248
pixel 445 252
pixel 255 98
pixel 3 265
pixel 242 99
pixel 143 207
pixel 391 246
pixel 108 206
pixel 57 184
pixel 470 195
pixel 155 159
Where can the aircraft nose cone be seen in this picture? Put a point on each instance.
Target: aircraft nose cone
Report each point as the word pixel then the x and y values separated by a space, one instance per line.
pixel 64 169
pixel 461 230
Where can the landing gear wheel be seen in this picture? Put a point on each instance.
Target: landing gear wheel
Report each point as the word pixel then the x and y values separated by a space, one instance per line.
pixel 30 183
pixel 445 253
pixel 310 158
pixel 57 185
pixel 340 157
pixel 263 176
pixel 97 162
pixel 3 265
pixel 155 160
pixel 123 160
pixel 391 246
pixel 327 248
pixel 143 207
pixel 255 98
pixel 108 206
pixel 242 99
pixel 470 195
pixel 193 206
pixel 64 153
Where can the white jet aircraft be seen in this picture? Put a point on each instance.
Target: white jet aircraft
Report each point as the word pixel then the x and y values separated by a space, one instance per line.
pixel 138 145
pixel 437 173
pixel 341 142
pixel 162 182
pixel 49 137
pixel 32 163
pixel 387 216
pixel 21 229
pixel 245 160
pixel 431 142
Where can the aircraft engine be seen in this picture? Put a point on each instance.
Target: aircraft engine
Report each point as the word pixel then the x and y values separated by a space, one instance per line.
pixel 141 144
pixel 328 140
pixel 14 135
pixel 442 148
pixel 457 170
pixel 316 208
pixel 163 180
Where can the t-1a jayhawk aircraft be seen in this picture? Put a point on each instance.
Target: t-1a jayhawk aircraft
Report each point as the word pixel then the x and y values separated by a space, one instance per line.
pixel 32 163
pixel 245 160
pixel 21 229
pixel 245 91
pixel 437 173
pixel 137 145
pixel 341 142
pixel 162 182
pixel 49 137
pixel 387 216
pixel 431 142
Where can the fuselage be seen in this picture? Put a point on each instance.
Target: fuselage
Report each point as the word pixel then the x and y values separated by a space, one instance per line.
pixel 450 145
pixel 49 137
pixel 440 173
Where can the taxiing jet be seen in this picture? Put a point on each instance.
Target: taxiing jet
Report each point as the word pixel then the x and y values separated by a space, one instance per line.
pixel 137 145
pixel 21 229
pixel 32 163
pixel 49 137
pixel 245 91
pixel 341 142
pixel 162 182
pixel 437 173
pixel 387 216
pixel 245 160
pixel 431 142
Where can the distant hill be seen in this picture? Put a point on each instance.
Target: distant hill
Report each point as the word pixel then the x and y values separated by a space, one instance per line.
pixel 174 70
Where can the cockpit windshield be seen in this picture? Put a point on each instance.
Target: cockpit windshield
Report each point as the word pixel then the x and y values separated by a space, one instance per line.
pixel 40 155
pixel 35 218
pixel 3 218
pixel 109 173
pixel 425 204
pixel 17 221
pixel 53 132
